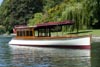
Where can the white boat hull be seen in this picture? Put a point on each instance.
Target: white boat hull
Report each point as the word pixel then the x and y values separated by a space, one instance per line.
pixel 82 42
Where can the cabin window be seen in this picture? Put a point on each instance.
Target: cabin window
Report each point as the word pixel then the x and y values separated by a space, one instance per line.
pixel 18 33
pixel 24 33
pixel 21 33
pixel 27 33
pixel 36 33
pixel 44 32
pixel 31 34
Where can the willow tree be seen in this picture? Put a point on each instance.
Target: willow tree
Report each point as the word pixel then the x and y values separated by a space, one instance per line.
pixel 96 13
pixel 80 12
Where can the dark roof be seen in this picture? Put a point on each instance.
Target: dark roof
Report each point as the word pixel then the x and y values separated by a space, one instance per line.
pixel 55 23
pixel 47 24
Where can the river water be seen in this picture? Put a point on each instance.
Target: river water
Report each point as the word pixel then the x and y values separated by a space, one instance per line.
pixel 15 56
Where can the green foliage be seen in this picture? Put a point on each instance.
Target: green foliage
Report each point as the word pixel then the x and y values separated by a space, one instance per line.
pixel 38 18
pixel 80 11
pixel 2 29
pixel 14 12
pixel 85 13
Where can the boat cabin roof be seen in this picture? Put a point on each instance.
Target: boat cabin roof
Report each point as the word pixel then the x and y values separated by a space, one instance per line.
pixel 47 24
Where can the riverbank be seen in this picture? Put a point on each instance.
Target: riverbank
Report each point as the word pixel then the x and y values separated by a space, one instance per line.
pixel 95 33
pixel 95 39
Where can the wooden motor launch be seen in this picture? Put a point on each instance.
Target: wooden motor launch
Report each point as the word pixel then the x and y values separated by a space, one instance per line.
pixel 41 35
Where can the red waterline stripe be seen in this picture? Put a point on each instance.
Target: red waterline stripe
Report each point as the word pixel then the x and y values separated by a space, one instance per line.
pixel 59 46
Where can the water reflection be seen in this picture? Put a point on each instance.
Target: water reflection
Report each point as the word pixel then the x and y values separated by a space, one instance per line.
pixel 5 55
pixel 49 57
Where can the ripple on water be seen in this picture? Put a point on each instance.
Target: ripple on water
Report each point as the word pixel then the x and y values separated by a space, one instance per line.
pixel 53 57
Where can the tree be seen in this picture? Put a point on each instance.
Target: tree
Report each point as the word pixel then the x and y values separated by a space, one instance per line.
pixel 18 12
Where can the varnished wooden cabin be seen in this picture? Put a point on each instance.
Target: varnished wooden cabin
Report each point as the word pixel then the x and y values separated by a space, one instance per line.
pixel 40 30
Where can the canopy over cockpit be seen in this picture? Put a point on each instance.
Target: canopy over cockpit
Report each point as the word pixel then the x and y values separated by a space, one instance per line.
pixel 50 24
